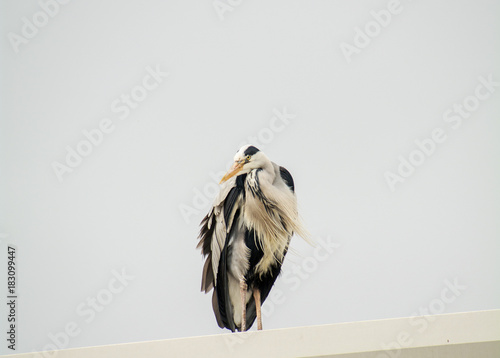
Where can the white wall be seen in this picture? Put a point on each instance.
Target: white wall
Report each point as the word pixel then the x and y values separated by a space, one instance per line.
pixel 387 338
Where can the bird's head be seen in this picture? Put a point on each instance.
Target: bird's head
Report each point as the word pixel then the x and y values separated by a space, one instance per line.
pixel 246 159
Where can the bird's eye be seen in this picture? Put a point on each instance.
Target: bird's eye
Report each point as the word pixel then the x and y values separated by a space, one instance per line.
pixel 248 158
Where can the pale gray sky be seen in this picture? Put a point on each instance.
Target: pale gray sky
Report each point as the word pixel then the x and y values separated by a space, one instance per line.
pixel 118 117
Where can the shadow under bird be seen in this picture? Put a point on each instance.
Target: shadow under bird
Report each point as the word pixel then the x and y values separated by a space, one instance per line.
pixel 245 237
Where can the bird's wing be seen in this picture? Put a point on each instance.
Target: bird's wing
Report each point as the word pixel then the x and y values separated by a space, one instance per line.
pixel 287 178
pixel 216 226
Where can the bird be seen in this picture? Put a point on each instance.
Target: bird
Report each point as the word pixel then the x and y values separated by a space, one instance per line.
pixel 245 237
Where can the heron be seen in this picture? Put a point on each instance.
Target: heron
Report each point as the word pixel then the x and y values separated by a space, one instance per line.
pixel 245 237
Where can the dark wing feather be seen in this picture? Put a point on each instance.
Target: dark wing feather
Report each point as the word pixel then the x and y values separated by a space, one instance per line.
pixel 232 197
pixel 206 233
pixel 215 306
pixel 256 254
pixel 287 178
pixel 209 226
pixel 265 282
pixel 207 282
pixel 224 302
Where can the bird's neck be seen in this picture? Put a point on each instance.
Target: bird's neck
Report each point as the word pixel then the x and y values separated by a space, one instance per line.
pixel 266 172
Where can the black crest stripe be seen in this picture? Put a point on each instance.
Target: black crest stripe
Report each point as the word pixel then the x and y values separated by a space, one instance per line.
pixel 251 150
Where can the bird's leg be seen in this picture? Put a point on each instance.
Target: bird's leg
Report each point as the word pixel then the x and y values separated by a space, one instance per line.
pixel 256 296
pixel 243 294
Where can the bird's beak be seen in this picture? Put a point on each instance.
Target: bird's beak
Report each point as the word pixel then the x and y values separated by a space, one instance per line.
pixel 237 166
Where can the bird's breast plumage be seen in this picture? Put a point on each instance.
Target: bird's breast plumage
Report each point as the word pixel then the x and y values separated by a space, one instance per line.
pixel 267 217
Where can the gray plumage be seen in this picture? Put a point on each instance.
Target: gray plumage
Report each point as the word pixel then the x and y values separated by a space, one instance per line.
pixel 245 237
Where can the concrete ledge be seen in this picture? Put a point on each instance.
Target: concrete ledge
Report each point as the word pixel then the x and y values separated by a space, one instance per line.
pixel 470 334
